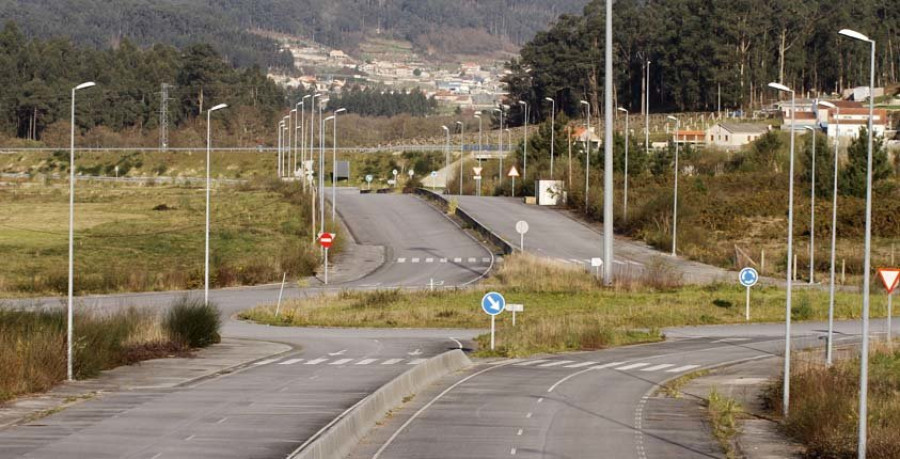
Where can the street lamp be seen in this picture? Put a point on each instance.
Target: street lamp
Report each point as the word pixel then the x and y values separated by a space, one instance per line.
pixel 675 199
pixel 71 315
pixel 334 162
pixel 587 160
pixel 292 138
pixel 303 129
pixel 608 227
pixel 828 350
pixel 446 157
pixel 500 147
pixel 625 191
pixel 647 115
pixel 280 147
pixel 790 256
pixel 867 261
pixel 812 202
pixel 552 131
pixel 208 150
pixel 525 148
pixel 462 153
pixel 286 149
pixel 322 166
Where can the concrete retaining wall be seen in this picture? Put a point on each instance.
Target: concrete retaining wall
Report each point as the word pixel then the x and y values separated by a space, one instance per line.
pixel 495 238
pixel 346 432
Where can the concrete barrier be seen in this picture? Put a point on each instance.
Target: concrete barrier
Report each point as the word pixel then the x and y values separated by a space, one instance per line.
pixel 482 229
pixel 338 438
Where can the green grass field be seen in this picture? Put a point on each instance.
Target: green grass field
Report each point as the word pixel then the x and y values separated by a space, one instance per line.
pixel 139 238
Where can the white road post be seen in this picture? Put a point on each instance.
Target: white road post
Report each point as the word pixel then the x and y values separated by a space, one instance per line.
pixel 867 263
pixel 786 390
pixel 70 322
pixel 208 185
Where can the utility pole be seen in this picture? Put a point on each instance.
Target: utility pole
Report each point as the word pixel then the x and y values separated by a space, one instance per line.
pixel 164 117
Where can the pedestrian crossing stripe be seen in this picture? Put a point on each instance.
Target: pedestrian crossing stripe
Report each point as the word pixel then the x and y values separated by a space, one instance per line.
pixel 432 260
pixel 593 365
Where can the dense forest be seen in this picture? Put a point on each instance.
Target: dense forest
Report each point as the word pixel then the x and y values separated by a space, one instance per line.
pixel 375 101
pixel 36 78
pixel 436 27
pixel 697 46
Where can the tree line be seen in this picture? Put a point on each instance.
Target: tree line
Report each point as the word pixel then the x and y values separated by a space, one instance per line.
pixel 36 77
pixel 699 49
pixel 375 101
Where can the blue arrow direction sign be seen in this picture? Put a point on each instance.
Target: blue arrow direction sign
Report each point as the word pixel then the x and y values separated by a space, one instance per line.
pixel 748 277
pixel 493 303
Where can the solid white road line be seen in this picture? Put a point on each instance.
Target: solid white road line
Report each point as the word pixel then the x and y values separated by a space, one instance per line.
pixel 684 368
pixel 391 361
pixel 632 366
pixel 366 361
pixel 659 367
pixel 341 362
pixel 290 362
pixel 315 361
pixel 556 363
pixel 530 362
pixel 266 362
pixel 582 364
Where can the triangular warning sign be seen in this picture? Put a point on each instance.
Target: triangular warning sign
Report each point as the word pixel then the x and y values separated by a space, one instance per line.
pixel 889 277
pixel 513 172
pixel 477 170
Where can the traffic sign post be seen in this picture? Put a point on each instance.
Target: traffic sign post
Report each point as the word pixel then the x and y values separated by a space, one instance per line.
pixel 748 278
pixel 522 228
pixel 325 240
pixel 513 173
pixel 433 180
pixel 514 308
pixel 597 263
pixel 890 277
pixel 369 179
pixel 493 303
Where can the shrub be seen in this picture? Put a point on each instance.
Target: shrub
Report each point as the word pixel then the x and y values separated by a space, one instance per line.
pixel 193 323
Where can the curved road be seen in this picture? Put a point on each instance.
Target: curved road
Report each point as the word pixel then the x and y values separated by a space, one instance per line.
pixel 271 408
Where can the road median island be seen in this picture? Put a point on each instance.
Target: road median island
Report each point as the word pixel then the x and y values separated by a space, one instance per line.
pixel 447 204
pixel 339 437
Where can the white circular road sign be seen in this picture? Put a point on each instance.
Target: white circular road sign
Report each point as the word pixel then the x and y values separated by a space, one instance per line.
pixel 522 227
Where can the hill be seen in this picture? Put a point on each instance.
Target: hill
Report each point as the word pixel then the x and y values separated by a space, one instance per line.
pixel 436 27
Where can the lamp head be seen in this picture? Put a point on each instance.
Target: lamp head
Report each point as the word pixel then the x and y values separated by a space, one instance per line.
pixel 623 110
pixel 855 35
pixel 672 118
pixel 89 84
pixel 550 99
pixel 827 104
pixel 329 118
pixel 218 107
pixel 780 87
pixel 340 110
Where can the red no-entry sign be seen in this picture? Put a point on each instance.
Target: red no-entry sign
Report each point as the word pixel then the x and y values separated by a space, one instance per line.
pixel 325 240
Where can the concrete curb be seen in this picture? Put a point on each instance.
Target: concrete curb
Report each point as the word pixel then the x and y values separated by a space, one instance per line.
pixel 482 229
pixel 339 437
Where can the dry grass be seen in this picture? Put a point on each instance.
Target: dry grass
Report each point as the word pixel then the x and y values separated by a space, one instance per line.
pixel 724 419
pixel 565 308
pixel 825 403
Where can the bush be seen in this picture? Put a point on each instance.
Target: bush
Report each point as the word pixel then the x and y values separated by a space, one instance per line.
pixel 193 323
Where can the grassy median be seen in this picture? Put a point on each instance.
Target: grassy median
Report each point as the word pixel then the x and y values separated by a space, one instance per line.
pixel 33 342
pixel 825 406
pixel 565 308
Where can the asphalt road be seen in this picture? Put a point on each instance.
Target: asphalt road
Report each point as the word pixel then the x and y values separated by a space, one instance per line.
pixel 574 406
pixel 269 409
pixel 554 234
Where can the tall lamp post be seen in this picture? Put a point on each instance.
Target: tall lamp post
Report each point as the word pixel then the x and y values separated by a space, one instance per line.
pixel 446 157
pixel 647 115
pixel 786 390
pixel 304 130
pixel 322 167
pixel 334 162
pixel 70 321
pixel 500 147
pixel 608 227
pixel 280 147
pixel 812 202
pixel 837 134
pixel 292 139
pixel 867 261
pixel 587 159
pixel 462 153
pixel 625 187
pixel 286 148
pixel 675 200
pixel 525 147
pixel 552 132
pixel 208 182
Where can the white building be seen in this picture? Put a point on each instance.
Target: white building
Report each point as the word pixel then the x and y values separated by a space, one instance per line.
pixel 734 135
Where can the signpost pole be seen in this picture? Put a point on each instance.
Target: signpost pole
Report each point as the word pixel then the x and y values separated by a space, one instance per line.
pixel 326 265
pixel 492 331
pixel 748 304
pixel 514 187
pixel 522 242
pixel 514 317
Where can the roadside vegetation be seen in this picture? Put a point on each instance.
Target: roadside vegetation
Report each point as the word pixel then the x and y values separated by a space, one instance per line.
pixel 33 342
pixel 565 308
pixel 825 403
pixel 724 415
pixel 132 237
